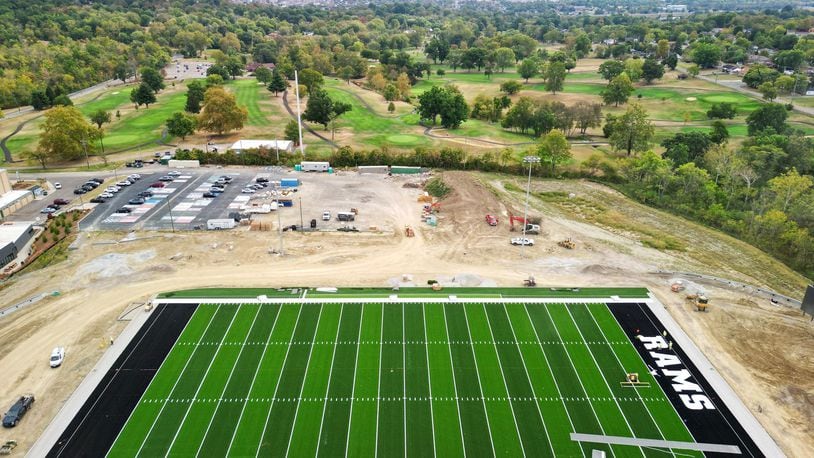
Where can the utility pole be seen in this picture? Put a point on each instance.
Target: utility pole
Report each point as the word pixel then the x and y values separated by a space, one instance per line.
pixel 85 148
pixel 302 223
pixel 299 116
pixel 169 207
pixel 530 160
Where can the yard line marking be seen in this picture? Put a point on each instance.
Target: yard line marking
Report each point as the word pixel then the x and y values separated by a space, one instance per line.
pixel 379 390
pixel 528 377
pixel 429 381
pixel 502 375
pixel 277 385
pixel 175 384
pixel 601 428
pixel 200 383
pixel 404 374
pixel 353 389
pixel 328 386
pixel 695 376
pixel 302 384
pixel 133 350
pixel 480 388
pixel 455 385
pixel 635 389
pixel 598 368
pixel 223 392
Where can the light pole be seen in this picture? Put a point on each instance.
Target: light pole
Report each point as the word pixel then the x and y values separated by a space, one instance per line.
pixel 85 148
pixel 302 223
pixel 530 160
pixel 169 207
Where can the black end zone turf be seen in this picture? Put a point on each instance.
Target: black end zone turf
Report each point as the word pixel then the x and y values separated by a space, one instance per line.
pixel 95 427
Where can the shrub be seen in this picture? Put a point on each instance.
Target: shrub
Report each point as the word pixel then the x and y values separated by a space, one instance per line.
pixel 437 188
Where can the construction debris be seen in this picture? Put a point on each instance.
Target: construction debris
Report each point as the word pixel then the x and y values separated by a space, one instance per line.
pixel 567 243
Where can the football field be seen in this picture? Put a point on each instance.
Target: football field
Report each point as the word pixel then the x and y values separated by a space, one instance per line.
pixel 400 379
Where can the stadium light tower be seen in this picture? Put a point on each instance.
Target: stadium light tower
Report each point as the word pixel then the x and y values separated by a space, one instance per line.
pixel 530 160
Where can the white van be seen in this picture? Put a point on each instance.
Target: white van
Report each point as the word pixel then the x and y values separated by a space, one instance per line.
pixel 57 355
pixel 326 216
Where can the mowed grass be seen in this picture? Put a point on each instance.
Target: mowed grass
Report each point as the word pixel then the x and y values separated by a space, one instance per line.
pixel 249 94
pixel 398 379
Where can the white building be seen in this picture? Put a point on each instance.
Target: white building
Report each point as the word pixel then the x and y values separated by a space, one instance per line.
pixel 273 145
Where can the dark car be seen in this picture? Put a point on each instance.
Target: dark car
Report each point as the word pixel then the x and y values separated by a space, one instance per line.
pixel 262 180
pixel 136 201
pixel 79 191
pixel 166 178
pixel 98 200
pixel 98 180
pixel 157 184
pixel 18 410
pixel 61 201
pixel 210 195
pixel 124 210
pixel 146 194
pixel 92 184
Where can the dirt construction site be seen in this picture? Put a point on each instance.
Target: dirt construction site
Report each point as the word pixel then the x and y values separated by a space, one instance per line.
pixel 762 349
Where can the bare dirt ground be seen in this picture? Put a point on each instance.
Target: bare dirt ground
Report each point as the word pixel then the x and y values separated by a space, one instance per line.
pixel 763 351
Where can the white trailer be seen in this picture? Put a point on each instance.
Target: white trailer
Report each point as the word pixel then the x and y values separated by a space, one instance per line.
pixel 218 224
pixel 260 209
pixel 314 166
pixel 181 164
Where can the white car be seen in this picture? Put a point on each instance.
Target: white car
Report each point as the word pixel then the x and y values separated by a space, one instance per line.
pixel 57 355
pixel 522 241
pixel 326 216
pixel 113 189
pixel 106 195
pixel 174 173
pixel 248 191
pixel 57 185
pixel 124 183
pixel 134 176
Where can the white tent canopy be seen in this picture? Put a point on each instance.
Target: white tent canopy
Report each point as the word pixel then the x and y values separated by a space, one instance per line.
pixel 245 145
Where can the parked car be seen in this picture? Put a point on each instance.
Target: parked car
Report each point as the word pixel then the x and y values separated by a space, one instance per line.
pixel 146 193
pixel 98 180
pixel 216 191
pixel 174 173
pixel 88 188
pixel 210 195
pixel 248 191
pixel 57 356
pixel 225 178
pixel 91 183
pixel 61 201
pixel 18 410
pixel 262 180
pixel 134 176
pixel 124 210
pixel 491 220
pixel 47 210
pixel 106 195
pixel 57 185
pixel 124 183
pixel 78 191
pixel 98 200
pixel 522 241
pixel 326 216
pixel 157 184
pixel 136 201
pixel 166 178
pixel 313 224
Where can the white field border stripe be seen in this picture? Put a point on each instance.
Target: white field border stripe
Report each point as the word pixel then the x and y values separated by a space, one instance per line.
pixel 548 366
pixel 454 382
pixel 379 390
pixel 175 384
pixel 229 379
pixel 599 369
pixel 201 382
pixel 404 375
pixel 328 385
pixel 503 376
pixel 579 379
pixel 480 388
pixel 429 381
pixel 635 389
pixel 279 377
pixel 353 389
pixel 117 373
pixel 528 377
pixel 302 383
pixel 397 300
pixel 254 378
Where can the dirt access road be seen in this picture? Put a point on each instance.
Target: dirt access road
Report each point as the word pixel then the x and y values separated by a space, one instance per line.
pixel 763 351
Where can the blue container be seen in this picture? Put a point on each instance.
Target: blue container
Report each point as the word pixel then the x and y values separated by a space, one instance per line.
pixel 289 182
pixel 298 168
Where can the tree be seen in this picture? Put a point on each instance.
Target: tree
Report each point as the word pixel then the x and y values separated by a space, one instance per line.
pixel 152 78
pixel 788 187
pixel 292 132
pixel 632 131
pixel 278 83
pixel 586 115
pixel 671 61
pixel 181 124
pixel 346 73
pixel 319 108
pixel 706 55
pixel 40 100
pixel 610 69
pixel 768 116
pixel 311 79
pixel 263 74
pixel 142 95
pixel 784 84
pixel 448 102
pixel 719 133
pixel 390 92
pixel 195 96
pixel 662 48
pixel 404 87
pixel 554 76
pixel 504 57
pixel 220 112
pixel 723 110
pixel 633 68
pixel 391 107
pixel 685 147
pixel 791 59
pixel 528 68
pixel 768 90
pixel 62 100
pixel 652 70
pixel 553 149
pixel 510 87
pixel 759 74
pixel 618 90
pixel 37 156
pixel 66 135
pixel 100 117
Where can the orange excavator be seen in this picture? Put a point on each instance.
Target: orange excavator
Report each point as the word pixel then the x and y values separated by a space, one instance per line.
pixel 530 228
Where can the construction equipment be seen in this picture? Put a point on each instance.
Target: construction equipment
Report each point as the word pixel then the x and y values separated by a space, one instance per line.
pixel 355 211
pixel 530 228
pixel 530 281
pixel 567 243
pixel 677 287
pixel 491 220
pixel 701 303
pixel 408 231
pixel 7 447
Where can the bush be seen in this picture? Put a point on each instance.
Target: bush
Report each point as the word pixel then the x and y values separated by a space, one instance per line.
pixel 723 110
pixel 437 188
pixel 440 72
